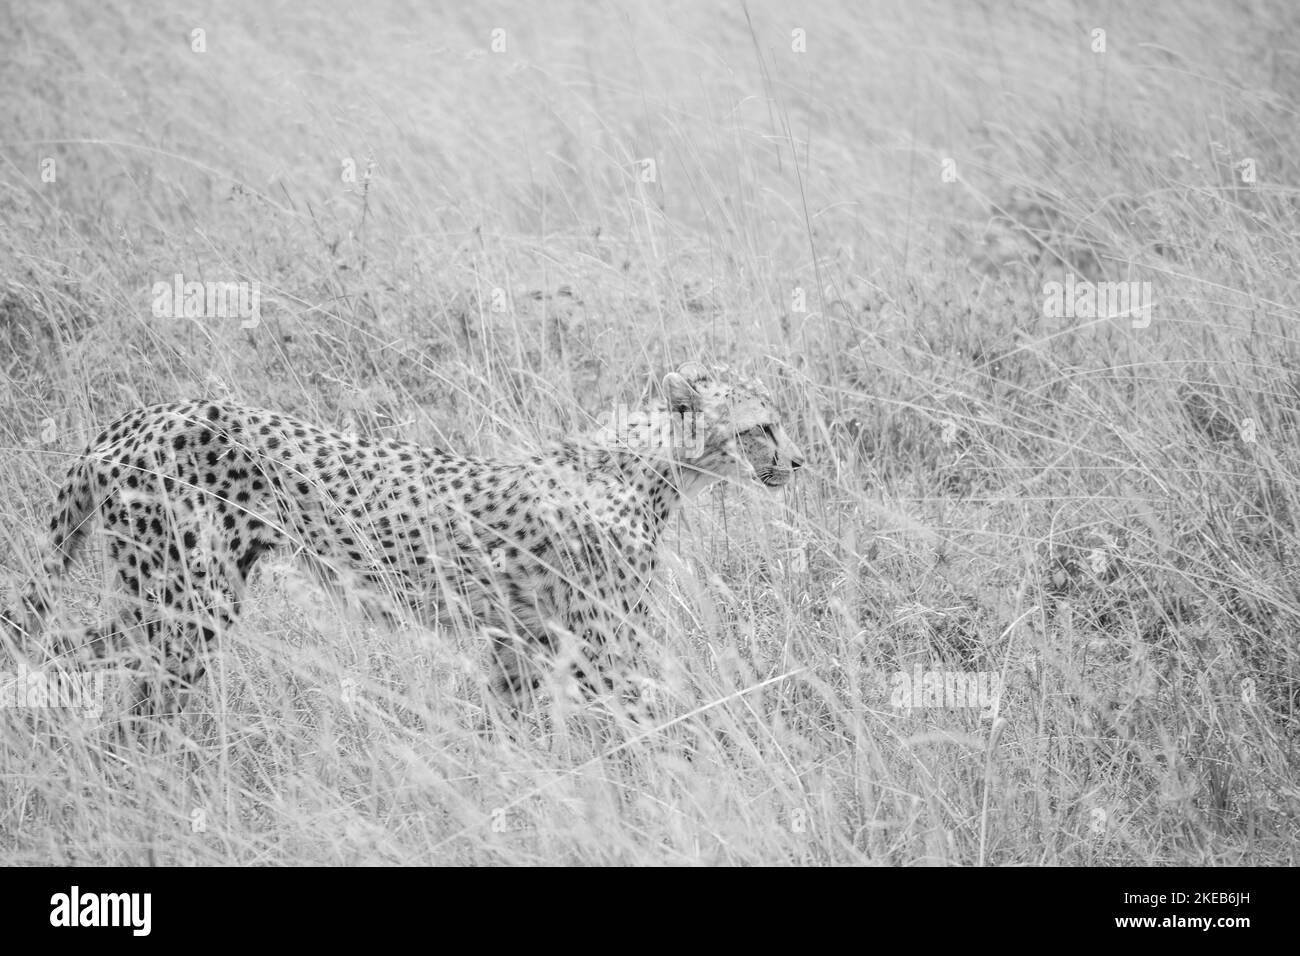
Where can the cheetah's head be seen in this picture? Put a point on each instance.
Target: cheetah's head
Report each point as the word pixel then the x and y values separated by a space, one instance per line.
pixel 728 427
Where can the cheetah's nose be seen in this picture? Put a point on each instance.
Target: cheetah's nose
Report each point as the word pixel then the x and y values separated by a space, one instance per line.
pixel 796 462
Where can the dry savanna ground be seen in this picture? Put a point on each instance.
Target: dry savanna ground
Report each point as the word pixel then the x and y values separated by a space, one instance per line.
pixel 481 227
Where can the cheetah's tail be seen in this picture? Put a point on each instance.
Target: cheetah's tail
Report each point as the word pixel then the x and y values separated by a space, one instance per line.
pixel 73 509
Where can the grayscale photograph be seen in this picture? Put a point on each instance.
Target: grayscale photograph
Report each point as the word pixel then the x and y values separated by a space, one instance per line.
pixel 625 434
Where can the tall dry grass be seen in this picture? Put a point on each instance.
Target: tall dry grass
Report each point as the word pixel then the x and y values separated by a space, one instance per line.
pixel 1101 514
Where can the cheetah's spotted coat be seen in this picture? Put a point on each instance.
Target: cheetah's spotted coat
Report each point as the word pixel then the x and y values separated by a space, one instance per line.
pixel 549 554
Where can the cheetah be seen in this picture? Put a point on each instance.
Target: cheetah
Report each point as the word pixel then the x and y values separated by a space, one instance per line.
pixel 549 554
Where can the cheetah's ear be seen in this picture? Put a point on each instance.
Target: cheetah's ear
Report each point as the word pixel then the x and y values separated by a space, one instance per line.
pixel 680 393
pixel 694 372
